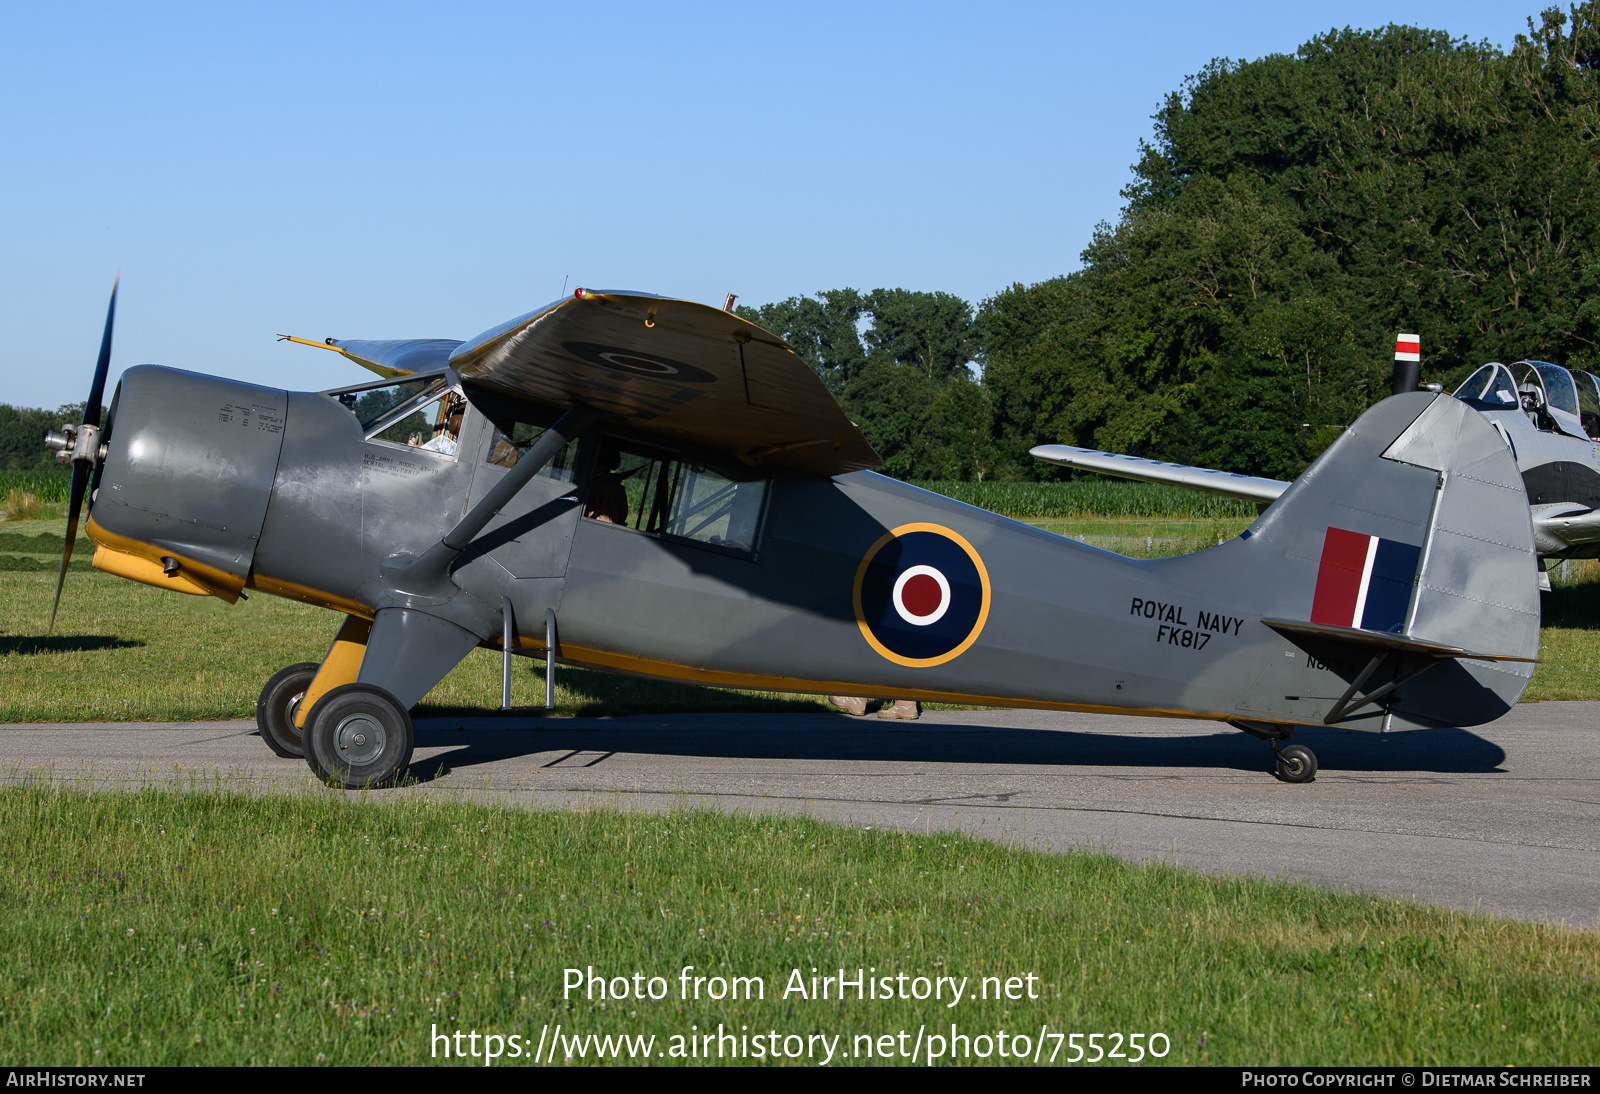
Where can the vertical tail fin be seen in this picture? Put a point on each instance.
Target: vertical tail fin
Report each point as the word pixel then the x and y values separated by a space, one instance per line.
pixel 1410 534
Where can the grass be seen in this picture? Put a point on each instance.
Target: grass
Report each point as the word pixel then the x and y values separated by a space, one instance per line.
pixel 154 927
pixel 1569 640
pixel 1095 498
pixel 23 505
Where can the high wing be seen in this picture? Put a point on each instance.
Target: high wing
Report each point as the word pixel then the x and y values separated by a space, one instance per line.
pixel 1203 479
pixel 390 359
pixel 681 370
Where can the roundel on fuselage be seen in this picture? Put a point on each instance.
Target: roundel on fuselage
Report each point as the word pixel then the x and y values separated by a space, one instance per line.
pixel 921 595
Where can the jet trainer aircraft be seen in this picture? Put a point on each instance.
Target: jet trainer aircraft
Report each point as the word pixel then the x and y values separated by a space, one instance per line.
pixel 650 486
pixel 1547 415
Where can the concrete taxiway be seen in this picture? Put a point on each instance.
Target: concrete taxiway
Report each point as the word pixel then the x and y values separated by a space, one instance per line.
pixel 1503 819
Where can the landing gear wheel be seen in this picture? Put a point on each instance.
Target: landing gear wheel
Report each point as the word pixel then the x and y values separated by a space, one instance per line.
pixel 1296 764
pixel 276 708
pixel 358 737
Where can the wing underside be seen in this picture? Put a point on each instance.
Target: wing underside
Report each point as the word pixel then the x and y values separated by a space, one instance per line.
pixel 680 370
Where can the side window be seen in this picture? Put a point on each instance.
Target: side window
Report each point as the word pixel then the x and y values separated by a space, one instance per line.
pixel 424 413
pixel 510 441
pixel 442 436
pixel 659 492
pixel 710 508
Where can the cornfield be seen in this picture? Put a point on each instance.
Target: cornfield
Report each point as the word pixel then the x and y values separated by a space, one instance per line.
pixel 46 486
pixel 1104 498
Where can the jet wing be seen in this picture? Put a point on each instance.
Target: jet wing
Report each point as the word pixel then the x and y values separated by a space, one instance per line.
pixel 1173 474
pixel 680 370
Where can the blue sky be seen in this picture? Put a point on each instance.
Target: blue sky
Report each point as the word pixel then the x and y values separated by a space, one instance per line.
pixel 423 170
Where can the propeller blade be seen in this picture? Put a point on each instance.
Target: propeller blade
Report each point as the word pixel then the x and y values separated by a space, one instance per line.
pixel 97 390
pixel 82 469
pixel 80 480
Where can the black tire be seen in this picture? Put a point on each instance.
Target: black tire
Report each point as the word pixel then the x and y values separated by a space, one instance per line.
pixel 1297 764
pixel 276 708
pixel 359 737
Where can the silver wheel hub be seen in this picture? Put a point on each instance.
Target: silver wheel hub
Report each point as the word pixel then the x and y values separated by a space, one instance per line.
pixel 360 739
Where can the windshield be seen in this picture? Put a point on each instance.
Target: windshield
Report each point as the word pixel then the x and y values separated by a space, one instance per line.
pixel 1558 386
pixel 1491 385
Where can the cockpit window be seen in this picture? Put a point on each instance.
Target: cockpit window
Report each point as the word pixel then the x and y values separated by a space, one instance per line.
pixel 1491 385
pixel 506 449
pixel 1473 387
pixel 445 434
pixel 422 411
pixel 1588 402
pixel 1558 386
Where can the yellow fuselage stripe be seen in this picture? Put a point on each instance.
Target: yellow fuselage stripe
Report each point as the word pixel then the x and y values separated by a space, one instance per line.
pixel 643 666
pixel 139 561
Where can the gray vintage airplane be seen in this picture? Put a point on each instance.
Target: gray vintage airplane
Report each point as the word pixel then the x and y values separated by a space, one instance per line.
pixel 1547 415
pixel 649 486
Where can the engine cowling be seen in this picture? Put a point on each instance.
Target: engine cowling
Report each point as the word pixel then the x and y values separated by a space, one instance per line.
pixel 188 473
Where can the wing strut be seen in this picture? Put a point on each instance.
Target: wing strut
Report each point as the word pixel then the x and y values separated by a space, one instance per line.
pixel 427 575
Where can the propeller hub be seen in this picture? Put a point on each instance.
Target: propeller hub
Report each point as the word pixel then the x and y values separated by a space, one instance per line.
pixel 86 444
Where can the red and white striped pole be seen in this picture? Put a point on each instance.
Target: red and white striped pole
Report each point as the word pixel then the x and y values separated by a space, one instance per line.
pixel 1407 364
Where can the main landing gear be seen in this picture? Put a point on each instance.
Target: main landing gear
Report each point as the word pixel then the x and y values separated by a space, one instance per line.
pixel 357 737
pixel 1296 763
pixel 276 708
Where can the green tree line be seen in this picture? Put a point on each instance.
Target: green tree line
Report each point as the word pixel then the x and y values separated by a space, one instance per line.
pixel 22 431
pixel 1288 216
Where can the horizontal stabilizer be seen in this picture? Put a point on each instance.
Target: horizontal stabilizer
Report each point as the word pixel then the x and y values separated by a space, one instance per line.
pixel 1204 479
pixel 1385 640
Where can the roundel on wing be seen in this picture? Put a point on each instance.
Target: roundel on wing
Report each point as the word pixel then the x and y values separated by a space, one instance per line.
pixel 921 595
pixel 639 364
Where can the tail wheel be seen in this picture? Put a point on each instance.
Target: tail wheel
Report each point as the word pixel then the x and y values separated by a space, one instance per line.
pixel 357 737
pixel 278 705
pixel 1296 764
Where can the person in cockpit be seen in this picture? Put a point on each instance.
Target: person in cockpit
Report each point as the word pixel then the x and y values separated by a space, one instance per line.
pixel 444 442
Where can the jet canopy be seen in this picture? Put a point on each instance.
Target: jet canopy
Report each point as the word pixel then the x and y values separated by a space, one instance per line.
pixel 1559 400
